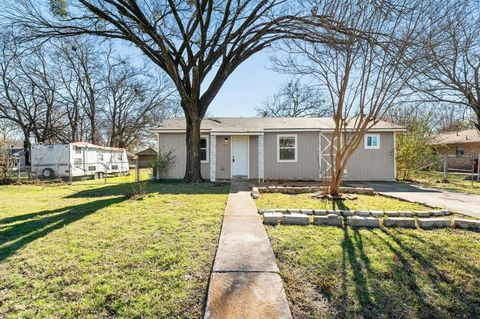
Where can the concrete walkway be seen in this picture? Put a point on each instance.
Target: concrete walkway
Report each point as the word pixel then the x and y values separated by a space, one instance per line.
pixel 245 282
pixel 467 204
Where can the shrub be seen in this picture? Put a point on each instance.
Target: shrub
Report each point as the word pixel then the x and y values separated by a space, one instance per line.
pixel 164 162
pixel 414 152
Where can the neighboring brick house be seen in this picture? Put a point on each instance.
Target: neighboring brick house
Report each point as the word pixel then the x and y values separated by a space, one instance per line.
pixel 146 157
pixel 462 148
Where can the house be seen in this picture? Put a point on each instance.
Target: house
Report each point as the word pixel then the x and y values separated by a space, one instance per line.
pixel 278 149
pixel 146 157
pixel 461 148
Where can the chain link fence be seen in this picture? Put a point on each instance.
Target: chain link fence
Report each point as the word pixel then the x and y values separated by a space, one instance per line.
pixel 84 173
pixel 467 165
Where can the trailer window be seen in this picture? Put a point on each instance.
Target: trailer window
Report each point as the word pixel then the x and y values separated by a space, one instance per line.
pixel 119 157
pixel 78 150
pixel 77 162
pixel 100 157
pixel 92 168
pixel 114 166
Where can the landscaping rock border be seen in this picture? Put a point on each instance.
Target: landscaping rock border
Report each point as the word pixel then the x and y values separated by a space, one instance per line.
pixel 362 218
pixel 310 189
pixel 466 224
pixel 402 222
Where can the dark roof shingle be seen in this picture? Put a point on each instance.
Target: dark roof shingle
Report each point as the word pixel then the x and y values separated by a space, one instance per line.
pixel 260 124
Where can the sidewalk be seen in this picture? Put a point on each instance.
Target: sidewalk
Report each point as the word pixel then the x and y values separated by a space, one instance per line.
pixel 245 282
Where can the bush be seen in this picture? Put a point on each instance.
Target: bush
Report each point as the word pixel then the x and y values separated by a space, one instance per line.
pixel 7 162
pixel 164 162
pixel 414 152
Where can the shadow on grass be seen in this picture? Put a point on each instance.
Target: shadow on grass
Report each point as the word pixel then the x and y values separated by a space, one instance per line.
pixel 151 187
pixel 412 273
pixel 29 227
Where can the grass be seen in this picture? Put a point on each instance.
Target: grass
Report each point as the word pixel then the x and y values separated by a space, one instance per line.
pixel 332 272
pixel 86 251
pixel 456 181
pixel 306 201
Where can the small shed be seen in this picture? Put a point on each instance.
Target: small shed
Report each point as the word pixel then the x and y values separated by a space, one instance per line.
pixel 146 157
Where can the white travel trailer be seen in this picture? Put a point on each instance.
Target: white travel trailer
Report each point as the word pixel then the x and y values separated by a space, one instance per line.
pixel 78 159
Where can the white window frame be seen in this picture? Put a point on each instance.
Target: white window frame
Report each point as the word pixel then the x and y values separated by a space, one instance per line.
pixel 369 147
pixel 295 148
pixel 208 149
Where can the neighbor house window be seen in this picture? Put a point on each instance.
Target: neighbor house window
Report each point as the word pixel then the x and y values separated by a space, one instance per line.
pixel 204 149
pixel 459 151
pixel 372 141
pixel 287 148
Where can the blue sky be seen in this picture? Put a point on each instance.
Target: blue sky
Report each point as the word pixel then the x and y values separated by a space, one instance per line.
pixel 247 88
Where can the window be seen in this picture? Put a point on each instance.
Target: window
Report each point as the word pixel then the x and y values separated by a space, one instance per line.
pixel 204 149
pixel 287 148
pixel 77 162
pixel 115 167
pixel 372 141
pixel 459 151
pixel 92 168
pixel 119 157
pixel 78 150
pixel 99 157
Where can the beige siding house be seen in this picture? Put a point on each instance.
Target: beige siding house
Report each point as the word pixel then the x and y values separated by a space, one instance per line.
pixel 278 149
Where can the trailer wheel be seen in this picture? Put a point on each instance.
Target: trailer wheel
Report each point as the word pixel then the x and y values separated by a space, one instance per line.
pixel 47 173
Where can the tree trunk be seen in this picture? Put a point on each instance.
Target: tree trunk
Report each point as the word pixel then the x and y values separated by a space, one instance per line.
pixel 192 171
pixel 336 182
pixel 26 150
pixel 477 125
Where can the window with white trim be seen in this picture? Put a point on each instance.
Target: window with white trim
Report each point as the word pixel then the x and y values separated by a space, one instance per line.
pixel 287 148
pixel 204 149
pixel 372 141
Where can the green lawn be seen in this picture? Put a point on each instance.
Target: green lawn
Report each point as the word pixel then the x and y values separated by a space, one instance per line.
pixel 332 272
pixel 456 181
pixel 306 201
pixel 86 251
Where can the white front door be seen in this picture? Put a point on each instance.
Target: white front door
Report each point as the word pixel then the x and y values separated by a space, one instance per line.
pixel 240 156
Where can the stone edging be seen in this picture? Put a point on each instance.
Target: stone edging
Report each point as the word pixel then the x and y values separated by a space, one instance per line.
pixel 256 191
pixel 361 213
pixel 424 219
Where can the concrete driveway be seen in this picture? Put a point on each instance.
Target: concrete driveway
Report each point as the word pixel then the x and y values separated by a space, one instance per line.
pixel 457 202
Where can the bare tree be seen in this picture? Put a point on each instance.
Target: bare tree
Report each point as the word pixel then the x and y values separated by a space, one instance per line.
pixel 449 64
pixel 441 117
pixel 361 77
pixel 7 162
pixel 295 99
pixel 198 44
pixel 28 93
pixel 83 83
pixel 136 100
